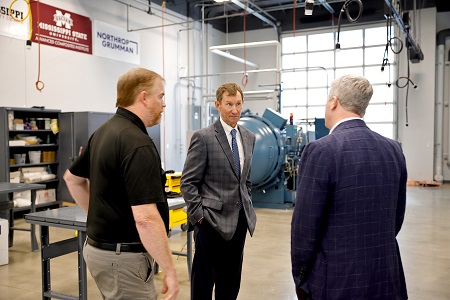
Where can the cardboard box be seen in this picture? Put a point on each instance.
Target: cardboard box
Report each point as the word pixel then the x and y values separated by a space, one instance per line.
pixel 44 196
pixel 4 233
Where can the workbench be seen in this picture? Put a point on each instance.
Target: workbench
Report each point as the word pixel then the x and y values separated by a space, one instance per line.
pixel 9 188
pixel 74 218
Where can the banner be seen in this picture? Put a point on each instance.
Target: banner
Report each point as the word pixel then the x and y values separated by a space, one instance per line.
pixel 60 28
pixel 15 19
pixel 116 43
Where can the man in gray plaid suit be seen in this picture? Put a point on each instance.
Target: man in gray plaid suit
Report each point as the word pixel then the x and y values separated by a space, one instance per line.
pixel 215 183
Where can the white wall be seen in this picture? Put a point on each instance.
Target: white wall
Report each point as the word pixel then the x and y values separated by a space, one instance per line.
pixel 80 82
pixel 265 57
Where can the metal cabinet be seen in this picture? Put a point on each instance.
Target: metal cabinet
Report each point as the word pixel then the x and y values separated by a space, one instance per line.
pixel 76 128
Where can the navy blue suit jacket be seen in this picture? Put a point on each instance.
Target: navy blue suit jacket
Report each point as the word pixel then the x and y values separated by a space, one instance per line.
pixel 350 206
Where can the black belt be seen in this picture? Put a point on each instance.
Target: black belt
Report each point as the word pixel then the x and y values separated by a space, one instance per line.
pixel 119 247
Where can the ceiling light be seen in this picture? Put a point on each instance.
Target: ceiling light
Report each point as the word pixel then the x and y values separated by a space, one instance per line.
pixel 309 6
pixel 220 1
pixel 232 57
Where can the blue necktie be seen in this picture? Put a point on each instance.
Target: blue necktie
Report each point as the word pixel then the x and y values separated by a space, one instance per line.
pixel 234 148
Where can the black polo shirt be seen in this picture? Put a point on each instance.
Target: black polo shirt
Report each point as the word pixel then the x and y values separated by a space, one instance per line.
pixel 124 170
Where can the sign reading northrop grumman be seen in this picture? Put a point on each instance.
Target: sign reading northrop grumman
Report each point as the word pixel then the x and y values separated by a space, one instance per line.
pixel 61 28
pixel 116 43
pixel 14 19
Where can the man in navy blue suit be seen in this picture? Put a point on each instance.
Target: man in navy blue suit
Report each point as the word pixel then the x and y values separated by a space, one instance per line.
pixel 350 206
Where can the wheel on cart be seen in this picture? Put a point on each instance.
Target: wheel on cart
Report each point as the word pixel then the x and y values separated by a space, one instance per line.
pixel 184 226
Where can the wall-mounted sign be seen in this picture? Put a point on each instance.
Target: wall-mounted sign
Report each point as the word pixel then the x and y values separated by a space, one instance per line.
pixel 116 43
pixel 14 19
pixel 60 28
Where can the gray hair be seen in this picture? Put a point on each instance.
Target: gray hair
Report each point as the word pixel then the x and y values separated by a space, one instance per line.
pixel 353 91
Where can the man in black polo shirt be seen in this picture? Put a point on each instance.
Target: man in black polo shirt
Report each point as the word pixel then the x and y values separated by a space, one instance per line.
pixel 119 182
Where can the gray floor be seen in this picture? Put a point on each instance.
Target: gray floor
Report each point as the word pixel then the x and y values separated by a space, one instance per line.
pixel 424 244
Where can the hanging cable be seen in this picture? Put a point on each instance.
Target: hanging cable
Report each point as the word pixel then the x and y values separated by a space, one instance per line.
pixel 390 43
pixel 349 17
pixel 12 15
pixel 245 77
pixel 407 81
pixel 163 5
pixel 39 84
pixel 28 43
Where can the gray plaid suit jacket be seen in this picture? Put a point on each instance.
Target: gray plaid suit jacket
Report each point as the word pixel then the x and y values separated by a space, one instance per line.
pixel 350 207
pixel 210 185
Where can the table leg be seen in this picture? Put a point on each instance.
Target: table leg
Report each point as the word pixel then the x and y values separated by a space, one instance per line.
pixel 34 244
pixel 45 263
pixel 11 228
pixel 82 277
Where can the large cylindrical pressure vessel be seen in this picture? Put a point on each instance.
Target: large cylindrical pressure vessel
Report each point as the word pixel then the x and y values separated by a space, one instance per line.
pixel 268 155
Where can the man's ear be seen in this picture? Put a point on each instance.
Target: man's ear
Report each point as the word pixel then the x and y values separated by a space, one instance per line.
pixel 142 97
pixel 334 103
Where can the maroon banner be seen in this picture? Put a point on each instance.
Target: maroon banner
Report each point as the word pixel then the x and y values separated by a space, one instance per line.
pixel 60 28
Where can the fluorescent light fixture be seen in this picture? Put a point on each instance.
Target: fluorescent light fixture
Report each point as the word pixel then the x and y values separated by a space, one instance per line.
pixel 258 92
pixel 232 57
pixel 220 1
pixel 309 6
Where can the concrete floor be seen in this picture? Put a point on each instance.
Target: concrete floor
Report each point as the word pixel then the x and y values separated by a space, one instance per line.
pixel 424 245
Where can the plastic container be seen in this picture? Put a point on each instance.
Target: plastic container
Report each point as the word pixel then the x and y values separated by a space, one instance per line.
pixel 20 159
pixel 54 125
pixel 34 156
pixel 48 156
pixel 40 123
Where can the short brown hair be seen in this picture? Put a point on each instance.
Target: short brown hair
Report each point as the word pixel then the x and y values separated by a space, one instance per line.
pixel 230 88
pixel 132 83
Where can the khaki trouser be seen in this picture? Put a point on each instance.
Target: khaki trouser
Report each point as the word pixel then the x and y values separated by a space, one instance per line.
pixel 126 275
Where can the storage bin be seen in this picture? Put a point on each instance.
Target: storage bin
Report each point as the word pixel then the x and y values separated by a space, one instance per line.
pixel 20 158
pixel 48 156
pixel 177 217
pixel 34 156
pixel 173 182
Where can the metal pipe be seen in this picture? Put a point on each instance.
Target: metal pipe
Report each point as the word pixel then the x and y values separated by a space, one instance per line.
pixel 230 73
pixel 441 38
pixel 149 13
pixel 224 16
pixel 256 14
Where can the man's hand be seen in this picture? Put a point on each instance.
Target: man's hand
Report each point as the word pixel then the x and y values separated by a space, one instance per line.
pixel 170 284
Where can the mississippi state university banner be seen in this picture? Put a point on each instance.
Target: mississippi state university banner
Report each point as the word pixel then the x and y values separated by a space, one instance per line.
pixel 60 28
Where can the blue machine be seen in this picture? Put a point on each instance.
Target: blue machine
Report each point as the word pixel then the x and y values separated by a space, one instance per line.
pixel 275 159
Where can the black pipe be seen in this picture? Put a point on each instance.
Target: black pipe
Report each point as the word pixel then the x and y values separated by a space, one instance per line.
pixel 442 35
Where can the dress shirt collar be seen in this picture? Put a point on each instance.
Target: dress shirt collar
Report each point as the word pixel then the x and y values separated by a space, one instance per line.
pixel 342 121
pixel 227 127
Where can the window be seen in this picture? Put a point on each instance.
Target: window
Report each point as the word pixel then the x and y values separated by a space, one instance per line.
pixel 309 65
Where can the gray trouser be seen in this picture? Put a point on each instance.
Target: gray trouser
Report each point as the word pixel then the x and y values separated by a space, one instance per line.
pixel 126 275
